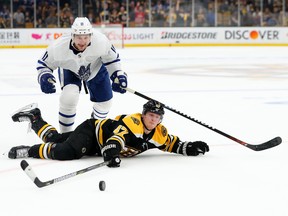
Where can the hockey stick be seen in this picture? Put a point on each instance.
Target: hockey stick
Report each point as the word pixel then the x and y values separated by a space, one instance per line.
pixel 266 145
pixel 29 171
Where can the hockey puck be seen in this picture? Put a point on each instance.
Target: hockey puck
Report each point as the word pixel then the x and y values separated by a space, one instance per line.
pixel 102 185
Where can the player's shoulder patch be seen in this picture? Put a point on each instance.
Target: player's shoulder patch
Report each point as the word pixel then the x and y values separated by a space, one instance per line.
pixel 135 120
pixel 163 130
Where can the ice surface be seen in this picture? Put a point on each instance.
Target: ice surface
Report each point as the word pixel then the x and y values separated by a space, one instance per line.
pixel 242 91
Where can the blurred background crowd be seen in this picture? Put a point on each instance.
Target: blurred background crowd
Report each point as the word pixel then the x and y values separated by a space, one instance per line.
pixel 144 13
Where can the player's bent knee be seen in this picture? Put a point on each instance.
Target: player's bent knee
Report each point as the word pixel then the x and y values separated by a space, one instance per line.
pixel 101 109
pixel 103 106
pixel 69 96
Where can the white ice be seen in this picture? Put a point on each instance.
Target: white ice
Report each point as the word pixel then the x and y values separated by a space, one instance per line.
pixel 242 91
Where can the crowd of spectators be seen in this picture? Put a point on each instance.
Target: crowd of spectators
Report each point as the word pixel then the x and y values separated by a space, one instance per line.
pixel 140 13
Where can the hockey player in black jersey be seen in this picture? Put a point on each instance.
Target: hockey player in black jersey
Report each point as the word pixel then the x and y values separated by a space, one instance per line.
pixel 124 136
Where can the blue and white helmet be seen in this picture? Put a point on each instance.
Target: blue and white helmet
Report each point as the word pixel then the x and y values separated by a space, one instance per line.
pixel 81 26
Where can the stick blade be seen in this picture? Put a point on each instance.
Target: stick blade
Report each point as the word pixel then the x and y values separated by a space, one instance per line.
pixel 267 145
pixel 30 173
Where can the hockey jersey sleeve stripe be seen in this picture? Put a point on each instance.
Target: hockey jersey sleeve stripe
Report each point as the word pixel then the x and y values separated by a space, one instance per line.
pixel 113 49
pixel 172 143
pixel 99 130
pixel 99 134
pixel 43 64
pixel 39 68
pixel 108 63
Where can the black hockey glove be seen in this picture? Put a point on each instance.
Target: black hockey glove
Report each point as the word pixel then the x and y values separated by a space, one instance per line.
pixel 110 152
pixel 194 148
pixel 115 162
pixel 119 79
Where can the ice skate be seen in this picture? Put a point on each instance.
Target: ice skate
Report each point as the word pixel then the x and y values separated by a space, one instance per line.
pixel 28 113
pixel 19 152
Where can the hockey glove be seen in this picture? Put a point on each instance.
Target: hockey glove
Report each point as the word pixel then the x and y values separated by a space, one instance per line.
pixel 194 148
pixel 110 152
pixel 119 81
pixel 47 81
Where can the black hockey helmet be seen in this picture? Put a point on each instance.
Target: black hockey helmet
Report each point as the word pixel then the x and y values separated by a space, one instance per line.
pixel 154 107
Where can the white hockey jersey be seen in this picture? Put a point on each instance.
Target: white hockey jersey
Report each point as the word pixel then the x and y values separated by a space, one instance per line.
pixel 99 52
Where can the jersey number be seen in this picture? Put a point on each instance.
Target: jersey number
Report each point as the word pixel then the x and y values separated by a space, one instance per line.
pixel 121 131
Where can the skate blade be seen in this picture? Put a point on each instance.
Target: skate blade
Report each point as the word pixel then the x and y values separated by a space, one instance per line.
pixel 26 108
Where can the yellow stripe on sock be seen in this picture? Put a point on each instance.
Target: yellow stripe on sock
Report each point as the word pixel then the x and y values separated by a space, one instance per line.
pixel 41 151
pixel 49 149
pixel 41 129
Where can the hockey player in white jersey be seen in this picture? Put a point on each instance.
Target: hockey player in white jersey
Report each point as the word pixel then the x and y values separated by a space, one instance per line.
pixel 83 56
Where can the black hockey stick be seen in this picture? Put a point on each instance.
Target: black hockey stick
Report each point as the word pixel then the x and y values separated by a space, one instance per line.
pixel 266 145
pixel 29 171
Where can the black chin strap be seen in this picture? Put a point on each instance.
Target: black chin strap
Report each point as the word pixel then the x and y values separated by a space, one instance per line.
pixel 145 125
